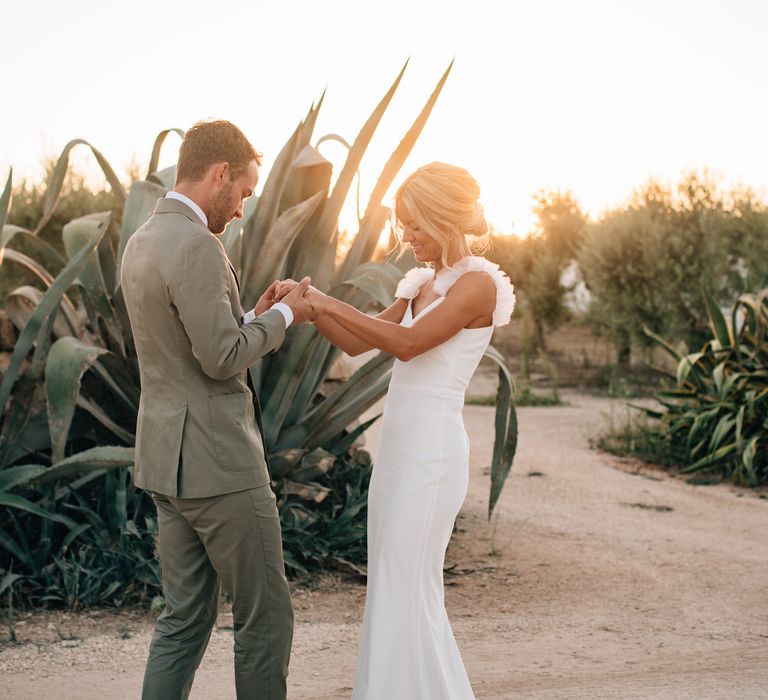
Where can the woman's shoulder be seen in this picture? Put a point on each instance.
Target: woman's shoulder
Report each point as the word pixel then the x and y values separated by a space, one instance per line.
pixel 479 273
pixel 414 279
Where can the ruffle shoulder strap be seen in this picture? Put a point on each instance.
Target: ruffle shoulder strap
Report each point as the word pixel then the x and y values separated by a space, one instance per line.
pixel 505 291
pixel 409 286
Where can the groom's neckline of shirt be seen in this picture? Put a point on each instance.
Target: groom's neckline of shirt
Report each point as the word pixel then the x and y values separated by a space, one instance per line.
pixel 284 309
pixel 193 205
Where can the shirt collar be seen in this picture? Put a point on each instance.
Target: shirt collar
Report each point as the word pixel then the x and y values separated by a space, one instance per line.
pixel 194 206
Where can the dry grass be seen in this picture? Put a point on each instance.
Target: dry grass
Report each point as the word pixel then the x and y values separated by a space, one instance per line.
pixel 577 358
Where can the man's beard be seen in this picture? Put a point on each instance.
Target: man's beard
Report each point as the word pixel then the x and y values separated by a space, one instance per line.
pixel 220 212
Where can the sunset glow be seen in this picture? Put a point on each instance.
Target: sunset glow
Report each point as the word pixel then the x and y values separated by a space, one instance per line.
pixel 595 97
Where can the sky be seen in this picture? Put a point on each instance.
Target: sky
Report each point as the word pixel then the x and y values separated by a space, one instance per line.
pixel 590 96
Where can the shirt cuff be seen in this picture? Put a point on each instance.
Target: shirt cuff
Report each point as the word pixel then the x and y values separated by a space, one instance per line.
pixel 284 309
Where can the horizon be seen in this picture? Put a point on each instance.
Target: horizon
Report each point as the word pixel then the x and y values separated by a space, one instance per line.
pixel 80 166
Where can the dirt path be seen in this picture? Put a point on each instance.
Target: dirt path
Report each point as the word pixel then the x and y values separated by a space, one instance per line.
pixel 595 582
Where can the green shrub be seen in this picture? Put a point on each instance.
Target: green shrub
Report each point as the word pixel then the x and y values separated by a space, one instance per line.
pixel 644 264
pixel 715 419
pixel 536 263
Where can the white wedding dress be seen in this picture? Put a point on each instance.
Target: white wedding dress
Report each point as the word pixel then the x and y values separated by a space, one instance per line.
pixel 420 474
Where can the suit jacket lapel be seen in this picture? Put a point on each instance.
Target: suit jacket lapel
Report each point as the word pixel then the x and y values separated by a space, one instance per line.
pixel 234 274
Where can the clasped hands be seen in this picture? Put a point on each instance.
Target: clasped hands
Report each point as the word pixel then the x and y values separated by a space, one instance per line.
pixel 306 301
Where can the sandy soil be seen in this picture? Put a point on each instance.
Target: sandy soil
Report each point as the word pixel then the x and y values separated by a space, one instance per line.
pixel 599 578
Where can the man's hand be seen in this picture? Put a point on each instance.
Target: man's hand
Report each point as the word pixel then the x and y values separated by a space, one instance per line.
pixel 267 299
pixel 299 303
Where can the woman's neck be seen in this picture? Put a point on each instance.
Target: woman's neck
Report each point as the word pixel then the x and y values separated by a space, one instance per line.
pixel 453 257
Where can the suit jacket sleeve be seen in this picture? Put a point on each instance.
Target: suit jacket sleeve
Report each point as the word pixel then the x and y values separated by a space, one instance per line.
pixel 200 288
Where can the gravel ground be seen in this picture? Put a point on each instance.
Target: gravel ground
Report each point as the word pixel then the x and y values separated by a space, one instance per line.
pixel 598 578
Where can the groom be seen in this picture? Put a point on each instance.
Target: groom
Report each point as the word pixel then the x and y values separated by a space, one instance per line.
pixel 199 443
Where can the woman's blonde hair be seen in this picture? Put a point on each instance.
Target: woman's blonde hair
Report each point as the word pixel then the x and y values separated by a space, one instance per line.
pixel 443 201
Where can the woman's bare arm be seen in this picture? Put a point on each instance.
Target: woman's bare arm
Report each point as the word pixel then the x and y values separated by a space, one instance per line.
pixel 334 331
pixel 348 341
pixel 470 302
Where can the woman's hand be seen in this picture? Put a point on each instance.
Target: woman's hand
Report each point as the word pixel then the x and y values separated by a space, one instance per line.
pixel 280 289
pixel 284 287
pixel 317 300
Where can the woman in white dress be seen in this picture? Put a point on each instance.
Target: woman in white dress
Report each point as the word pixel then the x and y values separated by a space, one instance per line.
pixel 438 328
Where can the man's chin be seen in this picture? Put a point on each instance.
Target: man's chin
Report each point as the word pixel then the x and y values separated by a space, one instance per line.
pixel 217 229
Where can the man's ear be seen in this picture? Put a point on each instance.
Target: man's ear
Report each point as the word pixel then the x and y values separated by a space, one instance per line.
pixel 221 173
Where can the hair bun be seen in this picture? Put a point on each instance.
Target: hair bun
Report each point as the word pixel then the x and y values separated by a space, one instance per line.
pixel 477 225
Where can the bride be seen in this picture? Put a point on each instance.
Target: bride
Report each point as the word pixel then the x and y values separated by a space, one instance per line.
pixel 438 328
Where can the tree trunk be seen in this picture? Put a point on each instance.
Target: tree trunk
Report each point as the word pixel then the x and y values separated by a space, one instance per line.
pixel 540 340
pixel 624 353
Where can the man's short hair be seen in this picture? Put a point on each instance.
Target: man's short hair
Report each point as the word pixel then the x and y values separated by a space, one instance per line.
pixel 214 141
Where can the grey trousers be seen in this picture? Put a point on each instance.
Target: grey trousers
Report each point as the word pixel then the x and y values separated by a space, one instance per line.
pixel 233 539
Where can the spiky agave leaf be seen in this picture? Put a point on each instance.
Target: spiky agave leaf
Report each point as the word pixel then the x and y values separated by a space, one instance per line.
pixel 12 500
pixel 662 343
pixel 306 360
pixel 283 462
pixel 364 244
pixel 39 326
pixel 232 238
pixel 314 260
pixel 21 303
pixel 348 400
pixel 19 476
pixel 76 234
pixel 311 173
pixel 8 255
pixel 59 174
pixel 505 442
pixel 717 321
pixel 157 147
pixel 257 227
pixel 24 426
pixel 5 199
pixel 95 459
pixel 274 252
pixel 67 361
pixel 371 283
pixel 44 254
pixel 716 416
pixel 279 387
pixel 142 198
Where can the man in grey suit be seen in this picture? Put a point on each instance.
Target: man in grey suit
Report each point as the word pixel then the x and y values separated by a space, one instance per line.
pixel 199 446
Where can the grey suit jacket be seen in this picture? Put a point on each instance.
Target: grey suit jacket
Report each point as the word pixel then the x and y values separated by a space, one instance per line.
pixel 197 433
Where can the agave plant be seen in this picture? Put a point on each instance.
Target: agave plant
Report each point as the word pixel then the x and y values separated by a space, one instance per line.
pixel 69 395
pixel 716 417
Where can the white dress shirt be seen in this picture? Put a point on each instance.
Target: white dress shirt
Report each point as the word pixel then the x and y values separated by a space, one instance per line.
pixel 194 206
pixel 278 306
pixel 284 309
